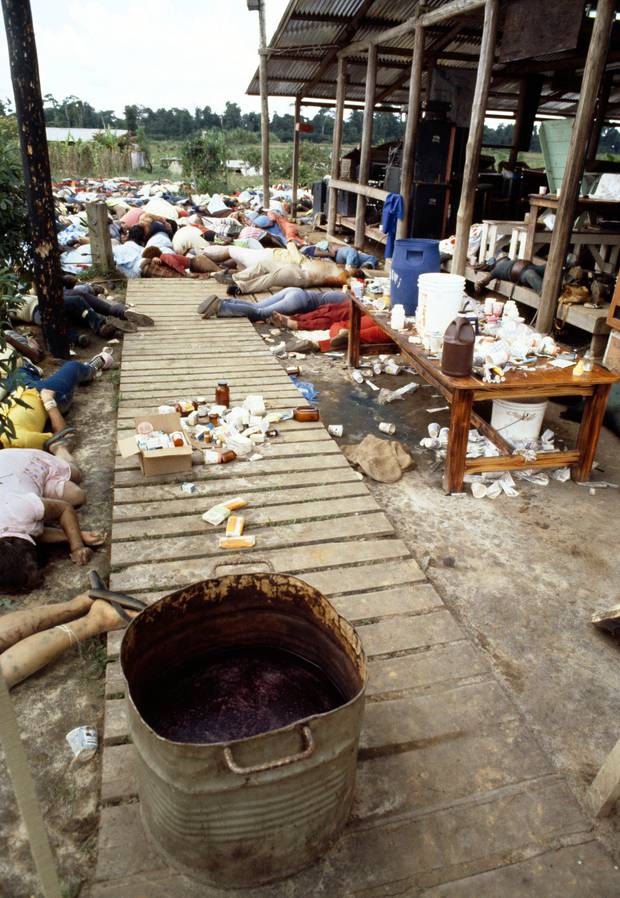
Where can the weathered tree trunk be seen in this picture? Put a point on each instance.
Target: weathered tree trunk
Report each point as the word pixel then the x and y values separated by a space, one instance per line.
pixel 37 179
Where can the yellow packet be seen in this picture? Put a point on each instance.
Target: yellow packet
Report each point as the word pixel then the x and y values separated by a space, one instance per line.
pixel 235 525
pixel 234 504
pixel 237 542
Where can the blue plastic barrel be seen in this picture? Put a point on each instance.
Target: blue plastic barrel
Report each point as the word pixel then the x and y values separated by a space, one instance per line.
pixel 412 257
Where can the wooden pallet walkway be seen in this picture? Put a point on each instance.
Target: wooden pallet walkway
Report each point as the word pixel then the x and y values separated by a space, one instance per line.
pixel 454 797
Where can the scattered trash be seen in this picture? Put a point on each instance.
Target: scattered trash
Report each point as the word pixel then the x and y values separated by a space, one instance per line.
pixel 306 413
pixel 216 515
pixel 357 376
pixel 189 487
pixel 387 427
pixel 83 742
pixel 440 408
pixel 280 348
pixel 392 368
pixel 235 525
pixel 386 396
pixel 336 430
pixel 307 389
pixel 377 368
pixel 596 484
pixel 237 542
pixel 382 460
pixel 371 385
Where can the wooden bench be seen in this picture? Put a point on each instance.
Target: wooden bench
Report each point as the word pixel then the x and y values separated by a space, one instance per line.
pixel 604 245
pixel 592 321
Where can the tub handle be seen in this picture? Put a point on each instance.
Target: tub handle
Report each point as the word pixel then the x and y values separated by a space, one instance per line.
pixel 308 750
pixel 241 560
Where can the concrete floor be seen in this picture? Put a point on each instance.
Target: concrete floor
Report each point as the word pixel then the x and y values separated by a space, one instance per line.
pixel 523 575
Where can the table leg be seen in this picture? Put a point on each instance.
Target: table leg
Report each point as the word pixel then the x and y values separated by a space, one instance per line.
pixel 531 232
pixel 460 420
pixel 590 430
pixel 355 318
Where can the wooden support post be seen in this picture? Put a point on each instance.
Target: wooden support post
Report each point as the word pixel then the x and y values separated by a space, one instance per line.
pixel 99 233
pixel 599 119
pixel 264 104
pixel 411 130
pixel 369 108
pixel 590 430
pixel 474 141
pixel 518 127
pixel 25 793
pixel 605 789
pixel 296 149
pixel 37 179
pixel 460 422
pixel 590 84
pixel 355 322
pixel 341 92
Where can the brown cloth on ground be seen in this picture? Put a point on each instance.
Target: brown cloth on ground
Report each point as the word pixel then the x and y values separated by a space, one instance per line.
pixel 382 460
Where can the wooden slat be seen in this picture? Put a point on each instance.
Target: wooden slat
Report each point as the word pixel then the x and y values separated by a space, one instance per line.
pixel 288 560
pixel 204 545
pixel 329 511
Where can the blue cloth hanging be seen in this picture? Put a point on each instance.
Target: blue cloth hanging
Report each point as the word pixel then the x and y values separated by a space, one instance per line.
pixel 393 211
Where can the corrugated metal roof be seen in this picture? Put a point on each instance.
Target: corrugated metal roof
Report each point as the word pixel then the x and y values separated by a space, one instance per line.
pixel 304 48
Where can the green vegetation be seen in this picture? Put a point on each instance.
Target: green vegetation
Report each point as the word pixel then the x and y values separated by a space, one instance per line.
pixel 14 245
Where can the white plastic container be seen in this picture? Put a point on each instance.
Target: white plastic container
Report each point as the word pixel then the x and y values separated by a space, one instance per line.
pixel 440 298
pixel 518 422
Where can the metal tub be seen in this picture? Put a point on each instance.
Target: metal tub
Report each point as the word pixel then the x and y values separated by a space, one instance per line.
pixel 250 811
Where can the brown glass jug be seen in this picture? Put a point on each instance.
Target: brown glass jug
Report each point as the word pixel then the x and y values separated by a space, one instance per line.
pixel 458 348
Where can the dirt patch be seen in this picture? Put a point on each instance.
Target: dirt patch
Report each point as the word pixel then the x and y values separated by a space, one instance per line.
pixel 70 692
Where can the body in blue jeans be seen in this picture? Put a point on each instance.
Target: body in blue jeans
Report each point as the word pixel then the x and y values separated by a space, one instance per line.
pixel 63 382
pixel 290 301
pixel 345 255
pixel 348 255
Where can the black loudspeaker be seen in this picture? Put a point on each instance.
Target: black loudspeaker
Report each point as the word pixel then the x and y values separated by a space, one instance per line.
pixel 319 197
pixel 428 202
pixel 433 152
pixel 347 203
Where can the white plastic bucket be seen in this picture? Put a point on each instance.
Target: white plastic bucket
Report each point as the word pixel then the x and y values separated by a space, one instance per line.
pixel 518 422
pixel 440 297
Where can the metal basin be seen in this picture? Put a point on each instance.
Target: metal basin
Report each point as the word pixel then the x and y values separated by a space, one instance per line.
pixel 244 811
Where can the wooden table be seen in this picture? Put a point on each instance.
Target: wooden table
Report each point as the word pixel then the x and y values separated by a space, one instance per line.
pixel 525 383
pixel 552 201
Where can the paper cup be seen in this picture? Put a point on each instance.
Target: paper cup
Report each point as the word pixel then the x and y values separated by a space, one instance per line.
pixel 336 430
pixel 83 742
pixel 386 427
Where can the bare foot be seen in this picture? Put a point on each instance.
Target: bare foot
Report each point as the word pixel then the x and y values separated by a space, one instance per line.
pixel 105 617
pixel 62 452
pixel 82 555
pixel 282 321
pixel 93 537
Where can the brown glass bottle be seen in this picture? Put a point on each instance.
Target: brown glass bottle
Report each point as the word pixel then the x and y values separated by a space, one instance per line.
pixel 222 393
pixel 227 455
pixel 306 413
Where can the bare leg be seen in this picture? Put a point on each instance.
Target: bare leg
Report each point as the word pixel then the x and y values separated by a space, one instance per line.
pixel 40 649
pixel 283 321
pixel 20 624
pixel 58 511
pixel 73 494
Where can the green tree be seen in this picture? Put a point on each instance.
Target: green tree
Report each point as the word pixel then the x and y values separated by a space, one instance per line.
pixel 204 160
pixel 131 118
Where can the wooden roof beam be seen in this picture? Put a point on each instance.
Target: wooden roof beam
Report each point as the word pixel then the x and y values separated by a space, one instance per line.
pixel 441 14
pixel 349 31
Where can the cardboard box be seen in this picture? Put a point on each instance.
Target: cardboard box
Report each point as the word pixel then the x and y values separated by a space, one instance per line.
pixel 159 461
pixel 611 359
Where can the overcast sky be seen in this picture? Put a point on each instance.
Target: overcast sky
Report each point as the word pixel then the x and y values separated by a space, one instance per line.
pixel 157 53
